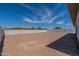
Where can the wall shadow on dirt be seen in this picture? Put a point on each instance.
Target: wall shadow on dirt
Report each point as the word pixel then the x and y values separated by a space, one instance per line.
pixel 66 44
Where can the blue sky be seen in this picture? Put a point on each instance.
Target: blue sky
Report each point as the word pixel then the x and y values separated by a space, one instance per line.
pixel 35 15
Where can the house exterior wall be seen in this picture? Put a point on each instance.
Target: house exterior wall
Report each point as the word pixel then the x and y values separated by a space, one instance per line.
pixel 73 10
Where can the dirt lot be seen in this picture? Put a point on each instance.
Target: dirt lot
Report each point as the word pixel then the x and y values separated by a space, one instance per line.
pixel 35 44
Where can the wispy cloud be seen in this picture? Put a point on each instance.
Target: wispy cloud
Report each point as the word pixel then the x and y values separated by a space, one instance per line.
pixel 60 22
pixel 44 20
pixel 69 24
pixel 29 7
pixel 31 21
pixel 26 6
pixel 47 11
pixel 55 17
pixel 44 13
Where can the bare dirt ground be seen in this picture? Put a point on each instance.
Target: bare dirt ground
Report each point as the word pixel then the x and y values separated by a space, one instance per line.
pixel 12 32
pixel 34 44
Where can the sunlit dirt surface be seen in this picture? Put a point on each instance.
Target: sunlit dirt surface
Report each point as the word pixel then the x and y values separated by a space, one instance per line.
pixel 34 44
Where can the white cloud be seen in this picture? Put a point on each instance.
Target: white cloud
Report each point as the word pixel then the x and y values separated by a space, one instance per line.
pixel 55 17
pixel 47 11
pixel 44 20
pixel 69 24
pixel 45 15
pixel 60 22
pixel 26 6
pixel 38 12
pixel 29 7
pixel 31 21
